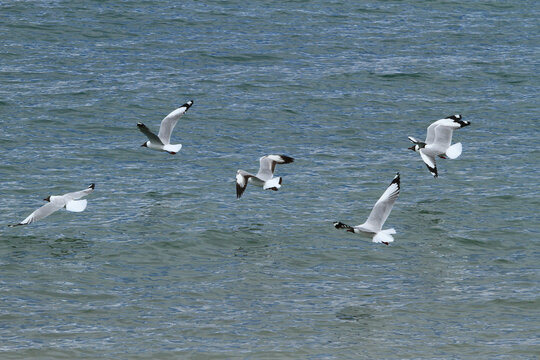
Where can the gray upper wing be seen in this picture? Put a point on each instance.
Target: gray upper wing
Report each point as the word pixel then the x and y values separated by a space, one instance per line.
pixel 443 136
pixel 266 168
pixel 268 165
pixel 78 194
pixel 43 212
pixel 150 135
pixel 169 122
pixel 384 205
pixel 430 136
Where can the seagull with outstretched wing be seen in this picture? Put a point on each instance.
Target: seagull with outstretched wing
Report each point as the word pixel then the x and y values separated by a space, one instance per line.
pixel 162 141
pixel 264 177
pixel 438 142
pixel 70 201
pixel 373 225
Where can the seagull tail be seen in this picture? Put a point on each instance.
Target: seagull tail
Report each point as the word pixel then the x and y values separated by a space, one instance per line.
pixel 384 236
pixel 76 205
pixel 273 184
pixel 454 151
pixel 173 149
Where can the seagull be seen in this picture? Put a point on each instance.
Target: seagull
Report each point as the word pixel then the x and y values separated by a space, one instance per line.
pixel 161 142
pixel 438 140
pixel 265 177
pixel 69 201
pixel 377 217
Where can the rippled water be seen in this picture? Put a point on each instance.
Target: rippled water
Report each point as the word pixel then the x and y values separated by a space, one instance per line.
pixel 166 263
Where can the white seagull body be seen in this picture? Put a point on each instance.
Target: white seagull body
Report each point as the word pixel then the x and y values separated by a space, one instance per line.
pixel 373 225
pixel 162 141
pixel 438 140
pixel 265 177
pixel 69 201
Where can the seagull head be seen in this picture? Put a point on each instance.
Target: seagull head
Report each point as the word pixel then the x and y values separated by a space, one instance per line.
pixel 48 198
pixel 417 147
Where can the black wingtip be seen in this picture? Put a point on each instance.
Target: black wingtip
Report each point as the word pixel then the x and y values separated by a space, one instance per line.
pixel 140 124
pixel 239 191
pixel 188 104
pixel 396 180
pixel 433 171
pixel 340 225
pixel 92 186
pixel 287 159
pixel 457 118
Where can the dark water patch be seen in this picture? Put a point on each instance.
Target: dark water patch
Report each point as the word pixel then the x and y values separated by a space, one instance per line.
pixel 244 58
pixel 470 243
pixel 401 75
pixel 67 247
pixel 356 314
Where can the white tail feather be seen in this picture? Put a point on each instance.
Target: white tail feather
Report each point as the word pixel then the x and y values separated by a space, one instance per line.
pixel 454 151
pixel 384 236
pixel 172 148
pixel 272 183
pixel 76 205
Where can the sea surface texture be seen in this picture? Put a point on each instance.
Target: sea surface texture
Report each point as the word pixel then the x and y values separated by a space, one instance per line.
pixel 166 263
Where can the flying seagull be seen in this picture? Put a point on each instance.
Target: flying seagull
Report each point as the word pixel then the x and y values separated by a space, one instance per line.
pixel 69 201
pixel 377 217
pixel 161 141
pixel 265 177
pixel 438 140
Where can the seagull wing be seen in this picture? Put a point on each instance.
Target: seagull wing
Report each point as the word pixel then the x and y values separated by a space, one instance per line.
pixel 267 165
pixel 169 122
pixel 42 212
pixel 150 135
pixel 78 194
pixel 443 135
pixel 384 205
pixel 430 163
pixel 242 178
pixel 454 122
pixel 430 136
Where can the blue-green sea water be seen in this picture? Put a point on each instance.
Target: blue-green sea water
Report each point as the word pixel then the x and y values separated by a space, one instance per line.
pixel 166 263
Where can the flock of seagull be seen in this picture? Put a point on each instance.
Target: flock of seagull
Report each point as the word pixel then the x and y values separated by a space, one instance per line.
pixel 438 143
